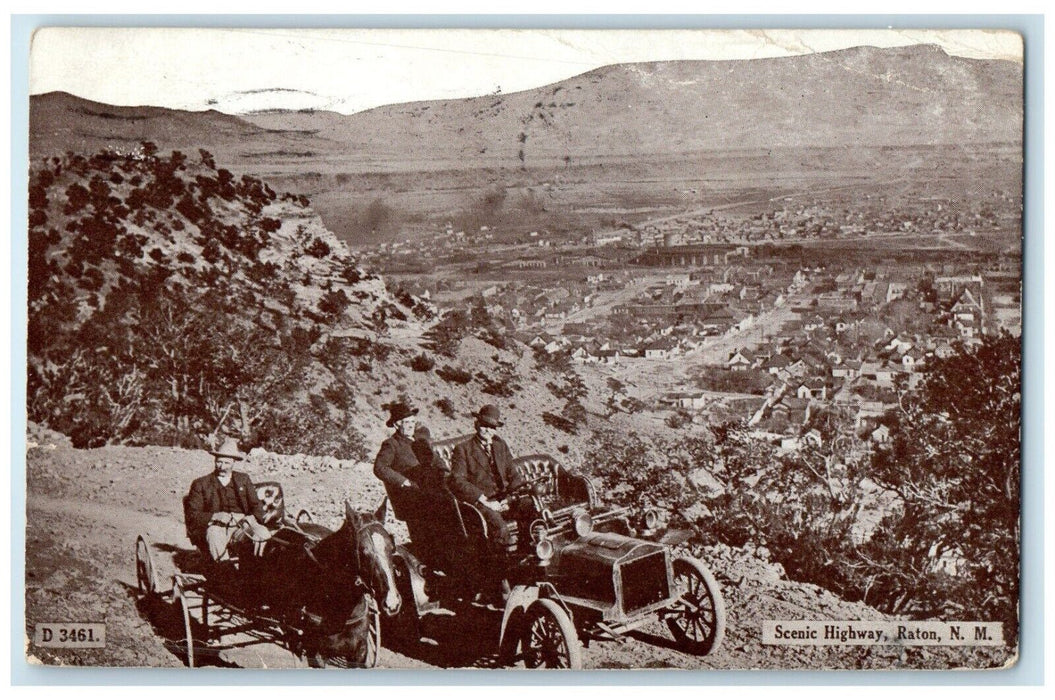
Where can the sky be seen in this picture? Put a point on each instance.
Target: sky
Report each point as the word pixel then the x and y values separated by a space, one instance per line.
pixel 349 70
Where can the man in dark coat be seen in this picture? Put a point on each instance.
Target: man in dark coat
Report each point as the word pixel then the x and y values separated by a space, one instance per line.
pixel 396 464
pixel 402 465
pixel 223 508
pixel 482 474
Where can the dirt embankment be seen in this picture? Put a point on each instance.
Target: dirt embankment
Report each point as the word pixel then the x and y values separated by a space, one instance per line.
pixel 86 507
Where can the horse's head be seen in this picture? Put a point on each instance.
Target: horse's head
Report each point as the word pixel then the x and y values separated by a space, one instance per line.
pixel 374 548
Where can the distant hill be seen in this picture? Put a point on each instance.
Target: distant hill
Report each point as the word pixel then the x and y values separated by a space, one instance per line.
pixel 616 131
pixel 855 97
pixel 60 122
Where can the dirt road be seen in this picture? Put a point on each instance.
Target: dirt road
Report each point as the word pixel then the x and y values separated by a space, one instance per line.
pixel 86 507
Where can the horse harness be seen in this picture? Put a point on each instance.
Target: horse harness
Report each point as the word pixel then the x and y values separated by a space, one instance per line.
pixel 372 526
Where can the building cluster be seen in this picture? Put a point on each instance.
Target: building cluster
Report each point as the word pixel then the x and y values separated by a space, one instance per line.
pixel 795 220
pixel 871 340
pixel 838 335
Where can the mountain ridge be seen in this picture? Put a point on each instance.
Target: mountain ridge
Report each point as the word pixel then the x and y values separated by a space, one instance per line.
pixel 985 93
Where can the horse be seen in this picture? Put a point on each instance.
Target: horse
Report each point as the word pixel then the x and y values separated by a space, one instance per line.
pixel 329 585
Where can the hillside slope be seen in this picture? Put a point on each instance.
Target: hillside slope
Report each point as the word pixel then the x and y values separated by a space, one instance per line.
pixel 169 302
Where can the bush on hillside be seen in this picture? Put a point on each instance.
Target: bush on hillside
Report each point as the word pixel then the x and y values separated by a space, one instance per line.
pixel 446 406
pixel 422 363
pixel 454 375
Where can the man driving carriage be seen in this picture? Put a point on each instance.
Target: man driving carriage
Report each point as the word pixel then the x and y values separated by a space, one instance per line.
pixel 223 508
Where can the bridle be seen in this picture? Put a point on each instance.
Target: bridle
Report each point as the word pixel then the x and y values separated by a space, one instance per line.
pixel 362 533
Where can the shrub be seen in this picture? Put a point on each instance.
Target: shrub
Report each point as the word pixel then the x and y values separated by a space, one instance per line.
pixel 445 337
pixel 493 336
pixel 501 382
pixel 678 419
pixel 338 394
pixel 454 375
pixel 351 273
pixel 334 303
pixel 422 363
pixel 380 351
pixel 318 248
pixel 446 406
pixel 558 422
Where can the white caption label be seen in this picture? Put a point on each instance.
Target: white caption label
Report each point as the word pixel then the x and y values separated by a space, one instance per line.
pixel 70 635
pixel 899 633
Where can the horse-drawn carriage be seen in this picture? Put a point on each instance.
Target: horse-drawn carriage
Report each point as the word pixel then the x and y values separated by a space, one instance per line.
pixel 577 572
pixel 317 592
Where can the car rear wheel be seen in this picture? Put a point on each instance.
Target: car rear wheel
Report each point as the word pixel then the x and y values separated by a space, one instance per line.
pixel 697 619
pixel 550 639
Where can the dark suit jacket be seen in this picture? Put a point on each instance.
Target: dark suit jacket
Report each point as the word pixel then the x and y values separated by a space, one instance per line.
pixel 471 475
pixel 204 499
pixel 396 461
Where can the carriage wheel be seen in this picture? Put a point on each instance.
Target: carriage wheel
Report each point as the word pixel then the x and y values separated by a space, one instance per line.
pixel 373 638
pixel 318 656
pixel 550 639
pixel 188 631
pixel 697 620
pixel 146 573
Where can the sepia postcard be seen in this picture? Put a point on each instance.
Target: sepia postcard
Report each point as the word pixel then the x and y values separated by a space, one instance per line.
pixel 524 349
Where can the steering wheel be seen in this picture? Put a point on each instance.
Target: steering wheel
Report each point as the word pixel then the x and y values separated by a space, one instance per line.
pixel 526 488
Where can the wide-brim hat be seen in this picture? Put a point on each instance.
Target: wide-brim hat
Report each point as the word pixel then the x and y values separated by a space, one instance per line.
pixel 488 415
pixel 399 411
pixel 229 448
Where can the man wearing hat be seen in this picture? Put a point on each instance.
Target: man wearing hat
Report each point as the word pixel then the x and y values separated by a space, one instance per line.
pixel 222 507
pixel 482 473
pixel 406 479
pixel 396 463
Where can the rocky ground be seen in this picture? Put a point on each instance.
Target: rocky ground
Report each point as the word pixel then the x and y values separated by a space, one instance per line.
pixel 85 509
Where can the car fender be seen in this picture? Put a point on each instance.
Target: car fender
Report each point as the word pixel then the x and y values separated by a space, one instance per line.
pixel 520 599
pixel 674 537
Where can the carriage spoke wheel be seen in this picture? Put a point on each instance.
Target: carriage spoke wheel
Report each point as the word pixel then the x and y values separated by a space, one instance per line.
pixel 697 619
pixel 550 639
pixel 373 637
pixel 365 655
pixel 146 577
pixel 188 622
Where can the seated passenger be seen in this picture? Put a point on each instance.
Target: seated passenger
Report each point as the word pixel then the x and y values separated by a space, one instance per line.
pixel 222 507
pixel 482 474
pixel 407 482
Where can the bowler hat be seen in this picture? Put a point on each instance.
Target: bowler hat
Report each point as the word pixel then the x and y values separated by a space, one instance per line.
pixel 229 448
pixel 488 415
pixel 398 411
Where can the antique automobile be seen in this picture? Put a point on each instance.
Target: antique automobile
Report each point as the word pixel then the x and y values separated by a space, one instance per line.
pixel 317 592
pixel 578 573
